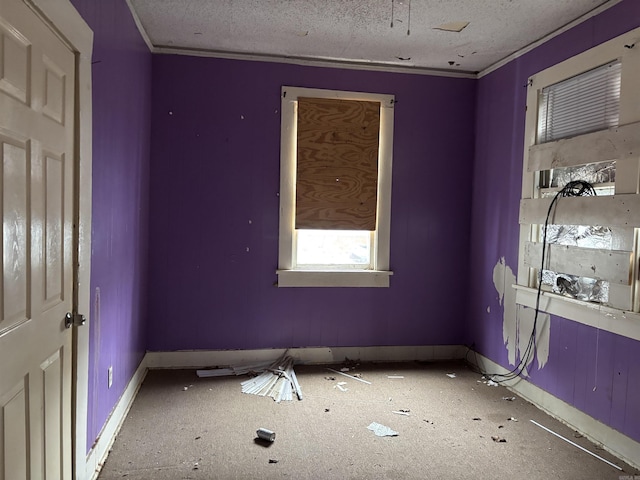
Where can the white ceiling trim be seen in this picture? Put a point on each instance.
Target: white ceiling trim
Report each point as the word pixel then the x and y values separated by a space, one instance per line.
pixel 548 37
pixel 379 67
pixel 141 29
pixel 312 62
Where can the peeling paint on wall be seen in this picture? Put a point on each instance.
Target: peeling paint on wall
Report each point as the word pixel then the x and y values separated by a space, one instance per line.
pixel 517 320
pixel 503 278
pixel 525 319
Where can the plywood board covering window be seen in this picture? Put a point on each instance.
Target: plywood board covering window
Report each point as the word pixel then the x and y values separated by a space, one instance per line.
pixel 337 164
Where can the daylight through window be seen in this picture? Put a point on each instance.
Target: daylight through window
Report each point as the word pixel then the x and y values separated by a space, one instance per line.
pixel 335 188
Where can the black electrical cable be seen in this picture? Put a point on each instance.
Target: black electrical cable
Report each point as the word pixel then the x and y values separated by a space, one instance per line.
pixel 576 188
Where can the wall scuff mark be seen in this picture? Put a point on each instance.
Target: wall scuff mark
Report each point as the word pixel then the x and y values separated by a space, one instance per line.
pixel 517 320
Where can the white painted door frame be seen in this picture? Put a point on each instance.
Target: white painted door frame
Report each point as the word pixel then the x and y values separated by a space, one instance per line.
pixel 66 20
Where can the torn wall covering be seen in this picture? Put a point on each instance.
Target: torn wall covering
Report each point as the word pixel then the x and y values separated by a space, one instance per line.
pixel 518 321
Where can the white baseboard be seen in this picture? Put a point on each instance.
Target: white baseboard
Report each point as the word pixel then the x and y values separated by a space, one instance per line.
pixel 309 356
pixel 613 441
pixel 207 358
pixel 98 454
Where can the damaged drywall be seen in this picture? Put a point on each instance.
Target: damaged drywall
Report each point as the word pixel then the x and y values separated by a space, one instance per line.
pixel 525 319
pixel 503 278
pixel 518 320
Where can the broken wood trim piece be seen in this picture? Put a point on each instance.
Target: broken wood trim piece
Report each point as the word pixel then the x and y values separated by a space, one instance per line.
pixel 609 211
pixel 617 143
pixel 400 412
pixel 576 445
pixel 296 385
pixel 350 376
pixel 215 372
pixel 277 381
pixel 611 265
pixel 239 370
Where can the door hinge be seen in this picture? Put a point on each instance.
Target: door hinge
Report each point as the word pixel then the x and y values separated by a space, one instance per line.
pixel 74 320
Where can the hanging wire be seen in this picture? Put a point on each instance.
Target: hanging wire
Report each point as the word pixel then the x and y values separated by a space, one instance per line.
pixel 576 188
pixel 408 2
pixel 392 4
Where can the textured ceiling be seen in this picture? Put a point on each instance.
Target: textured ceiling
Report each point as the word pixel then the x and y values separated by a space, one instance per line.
pixel 359 31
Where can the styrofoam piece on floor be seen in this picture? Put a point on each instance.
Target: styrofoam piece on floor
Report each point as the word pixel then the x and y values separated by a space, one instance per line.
pixel 382 430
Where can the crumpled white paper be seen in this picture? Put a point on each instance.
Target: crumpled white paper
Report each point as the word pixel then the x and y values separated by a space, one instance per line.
pixel 381 430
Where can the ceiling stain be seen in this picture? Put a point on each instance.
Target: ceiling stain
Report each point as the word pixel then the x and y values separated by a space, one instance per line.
pixel 452 26
pixel 358 31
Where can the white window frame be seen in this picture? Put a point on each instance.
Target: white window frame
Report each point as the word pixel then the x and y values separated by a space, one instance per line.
pixel 288 274
pixel 625 318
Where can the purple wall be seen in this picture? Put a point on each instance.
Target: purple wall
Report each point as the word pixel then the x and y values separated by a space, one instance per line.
pixel 215 147
pixel 573 369
pixel 215 167
pixel 121 136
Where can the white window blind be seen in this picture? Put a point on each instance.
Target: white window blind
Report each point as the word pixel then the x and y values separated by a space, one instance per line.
pixel 585 103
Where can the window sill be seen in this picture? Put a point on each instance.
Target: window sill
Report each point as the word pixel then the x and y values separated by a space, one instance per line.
pixel 620 322
pixel 319 278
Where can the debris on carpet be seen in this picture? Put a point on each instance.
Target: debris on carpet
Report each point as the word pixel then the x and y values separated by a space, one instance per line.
pixel 278 381
pixel 382 430
pixel 274 379
pixel 349 376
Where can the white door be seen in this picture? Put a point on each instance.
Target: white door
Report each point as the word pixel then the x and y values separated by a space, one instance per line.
pixel 37 151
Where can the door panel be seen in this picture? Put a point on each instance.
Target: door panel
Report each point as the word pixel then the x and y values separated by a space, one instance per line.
pixel 13 441
pixel 52 376
pixel 15 76
pixel 37 153
pixel 15 238
pixel 54 229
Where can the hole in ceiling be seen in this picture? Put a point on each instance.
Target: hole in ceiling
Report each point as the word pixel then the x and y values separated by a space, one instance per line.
pixel 452 26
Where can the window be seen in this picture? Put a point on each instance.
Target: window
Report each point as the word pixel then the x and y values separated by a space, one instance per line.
pixel 583 123
pixel 335 188
pixel 588 102
pixel 582 104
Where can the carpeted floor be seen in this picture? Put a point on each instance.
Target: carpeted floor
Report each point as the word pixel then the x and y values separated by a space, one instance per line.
pixel 185 427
